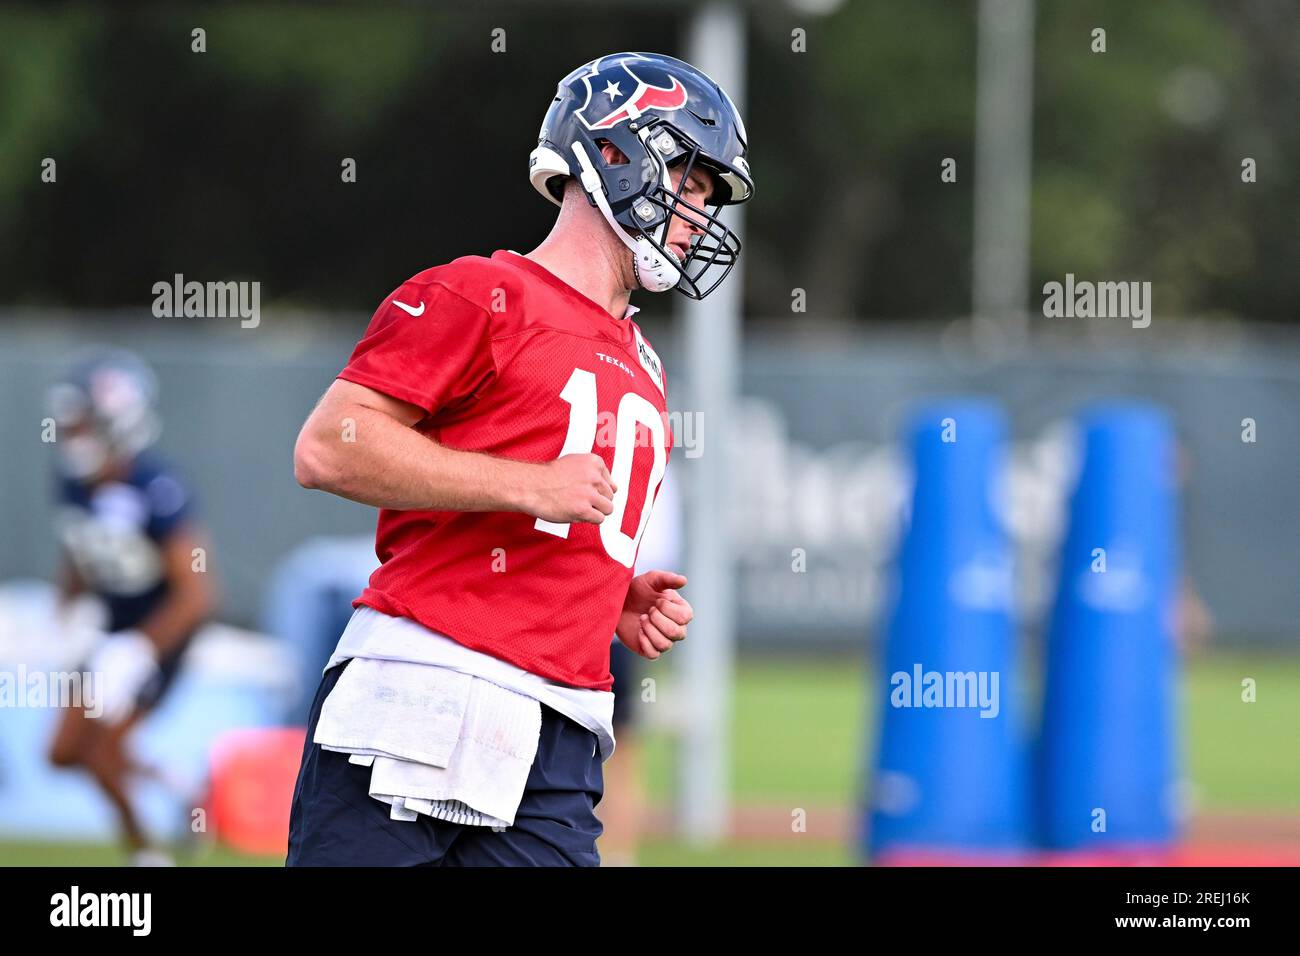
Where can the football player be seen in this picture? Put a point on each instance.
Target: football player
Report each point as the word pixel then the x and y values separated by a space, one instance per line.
pixel 508 417
pixel 128 534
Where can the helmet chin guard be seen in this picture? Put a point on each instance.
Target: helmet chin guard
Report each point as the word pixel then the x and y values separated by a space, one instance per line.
pixel 652 273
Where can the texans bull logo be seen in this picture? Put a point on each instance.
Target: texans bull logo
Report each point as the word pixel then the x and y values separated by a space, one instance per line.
pixel 616 93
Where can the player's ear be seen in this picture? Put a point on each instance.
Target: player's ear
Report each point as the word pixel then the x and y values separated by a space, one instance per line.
pixel 612 154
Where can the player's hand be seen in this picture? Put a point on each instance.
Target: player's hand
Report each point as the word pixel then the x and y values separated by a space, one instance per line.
pixel 654 615
pixel 574 488
pixel 120 667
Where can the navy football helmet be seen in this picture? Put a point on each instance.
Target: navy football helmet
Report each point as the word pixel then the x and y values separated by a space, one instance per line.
pixel 106 400
pixel 659 112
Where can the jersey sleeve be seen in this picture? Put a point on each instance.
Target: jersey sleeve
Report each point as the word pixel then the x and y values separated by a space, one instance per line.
pixel 170 503
pixel 425 345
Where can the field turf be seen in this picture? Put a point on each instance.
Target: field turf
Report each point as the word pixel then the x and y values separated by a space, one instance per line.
pixel 800 739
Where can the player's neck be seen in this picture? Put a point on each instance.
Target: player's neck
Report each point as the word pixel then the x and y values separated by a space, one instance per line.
pixel 589 267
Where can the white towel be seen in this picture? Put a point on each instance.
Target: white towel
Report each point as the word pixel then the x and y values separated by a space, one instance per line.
pixel 407 711
pixel 397 718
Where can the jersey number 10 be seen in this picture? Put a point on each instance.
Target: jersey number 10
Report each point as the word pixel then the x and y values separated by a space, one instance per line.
pixel 580 393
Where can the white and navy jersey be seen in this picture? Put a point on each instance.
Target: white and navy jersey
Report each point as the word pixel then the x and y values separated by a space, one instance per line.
pixel 114 532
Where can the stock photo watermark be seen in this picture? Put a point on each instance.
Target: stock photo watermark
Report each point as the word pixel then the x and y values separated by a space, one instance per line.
pixel 1083 299
pixel 23 688
pixel 208 300
pixel 946 689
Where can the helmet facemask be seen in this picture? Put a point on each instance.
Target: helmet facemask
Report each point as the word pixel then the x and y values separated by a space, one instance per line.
pixel 717 247
pixel 643 220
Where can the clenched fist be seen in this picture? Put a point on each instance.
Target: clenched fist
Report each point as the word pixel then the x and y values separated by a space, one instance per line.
pixel 573 488
pixel 654 615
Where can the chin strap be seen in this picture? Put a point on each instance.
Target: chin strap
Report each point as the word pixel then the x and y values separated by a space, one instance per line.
pixel 654 271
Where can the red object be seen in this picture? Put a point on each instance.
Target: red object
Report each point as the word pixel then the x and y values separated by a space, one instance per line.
pixel 253 775
pixel 505 358
pixel 646 97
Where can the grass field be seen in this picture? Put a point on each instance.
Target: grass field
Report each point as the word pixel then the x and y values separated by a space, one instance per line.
pixel 800 736
pixel 800 732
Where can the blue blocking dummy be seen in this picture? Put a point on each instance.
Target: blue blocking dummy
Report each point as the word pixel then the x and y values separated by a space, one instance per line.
pixel 950 768
pixel 1107 757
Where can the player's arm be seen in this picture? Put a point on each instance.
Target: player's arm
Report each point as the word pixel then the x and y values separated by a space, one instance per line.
pixel 360 444
pixel 191 596
pixel 71 583
pixel 70 586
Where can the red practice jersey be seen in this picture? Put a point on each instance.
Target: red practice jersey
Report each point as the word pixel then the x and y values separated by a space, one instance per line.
pixel 506 359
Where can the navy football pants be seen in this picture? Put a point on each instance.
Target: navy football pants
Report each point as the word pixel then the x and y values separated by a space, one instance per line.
pixel 335 822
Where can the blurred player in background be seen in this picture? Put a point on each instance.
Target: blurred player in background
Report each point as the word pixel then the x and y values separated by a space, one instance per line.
pixel 129 538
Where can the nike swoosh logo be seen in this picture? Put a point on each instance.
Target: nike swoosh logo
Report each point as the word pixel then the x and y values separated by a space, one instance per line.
pixel 409 309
